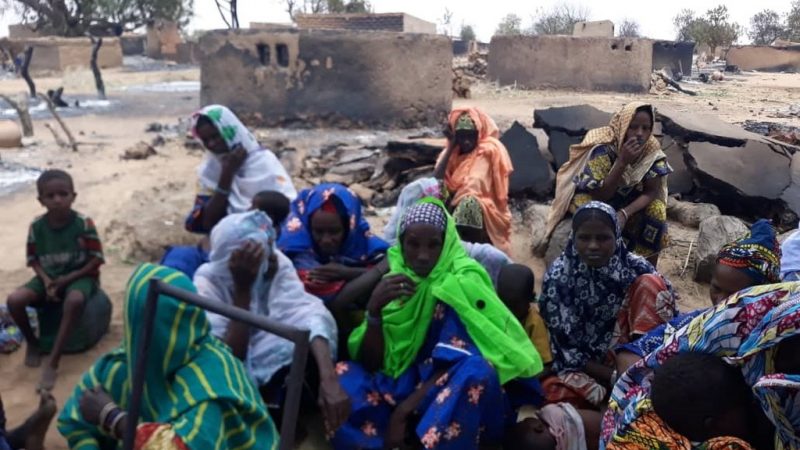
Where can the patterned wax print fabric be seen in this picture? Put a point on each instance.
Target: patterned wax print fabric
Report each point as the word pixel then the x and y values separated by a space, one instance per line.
pixel 196 392
pixel 650 432
pixel 645 233
pixel 359 249
pixel 465 407
pixel 758 254
pixel 746 330
pixel 600 145
pixel 588 310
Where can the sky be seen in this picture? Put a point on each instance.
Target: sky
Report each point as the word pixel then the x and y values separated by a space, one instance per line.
pixel 654 17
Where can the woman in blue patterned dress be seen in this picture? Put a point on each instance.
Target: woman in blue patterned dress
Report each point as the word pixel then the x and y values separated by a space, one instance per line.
pixel 597 295
pixel 435 349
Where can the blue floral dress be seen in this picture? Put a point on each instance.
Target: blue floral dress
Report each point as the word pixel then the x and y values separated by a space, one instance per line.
pixel 467 405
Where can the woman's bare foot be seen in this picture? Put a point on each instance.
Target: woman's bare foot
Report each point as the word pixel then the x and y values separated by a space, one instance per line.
pixel 30 435
pixel 33 357
pixel 48 380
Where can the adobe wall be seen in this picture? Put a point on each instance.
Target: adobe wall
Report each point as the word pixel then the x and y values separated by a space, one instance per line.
pixel 328 78
pixel 765 58
pixel 56 54
pixel 600 28
pixel 398 22
pixel 598 64
pixel 413 24
pixel 163 38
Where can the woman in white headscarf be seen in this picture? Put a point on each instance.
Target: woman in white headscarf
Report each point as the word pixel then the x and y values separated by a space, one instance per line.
pixel 235 169
pixel 246 270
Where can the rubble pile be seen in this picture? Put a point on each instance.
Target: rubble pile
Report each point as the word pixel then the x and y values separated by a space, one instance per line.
pixel 468 70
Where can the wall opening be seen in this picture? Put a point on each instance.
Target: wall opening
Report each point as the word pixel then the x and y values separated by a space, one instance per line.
pixel 614 46
pixel 282 54
pixel 629 47
pixel 263 54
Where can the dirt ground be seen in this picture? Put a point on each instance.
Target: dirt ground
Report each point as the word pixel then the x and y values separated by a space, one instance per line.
pixel 139 206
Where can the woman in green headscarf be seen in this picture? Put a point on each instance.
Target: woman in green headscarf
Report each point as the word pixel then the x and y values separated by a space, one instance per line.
pixel 197 396
pixel 437 342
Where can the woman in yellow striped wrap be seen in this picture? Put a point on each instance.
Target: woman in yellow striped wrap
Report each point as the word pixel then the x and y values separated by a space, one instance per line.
pixel 196 395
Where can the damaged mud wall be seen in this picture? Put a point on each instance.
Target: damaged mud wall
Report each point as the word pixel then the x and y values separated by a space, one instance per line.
pixel 328 78
pixel 55 54
pixel 765 58
pixel 532 62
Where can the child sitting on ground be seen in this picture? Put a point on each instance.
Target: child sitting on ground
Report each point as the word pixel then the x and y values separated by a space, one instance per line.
pixel 65 253
pixel 515 287
pixel 188 258
pixel 559 426
pixel 700 397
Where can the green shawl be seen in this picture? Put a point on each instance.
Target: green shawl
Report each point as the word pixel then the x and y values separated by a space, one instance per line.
pixel 463 284
pixel 192 381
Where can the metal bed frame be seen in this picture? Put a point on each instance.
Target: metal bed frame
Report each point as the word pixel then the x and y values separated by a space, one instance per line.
pixel 299 337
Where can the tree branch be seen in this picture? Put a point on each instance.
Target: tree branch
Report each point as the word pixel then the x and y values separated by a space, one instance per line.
pixel 52 109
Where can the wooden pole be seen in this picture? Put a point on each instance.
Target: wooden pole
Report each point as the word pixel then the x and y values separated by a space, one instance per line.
pixel 24 115
pixel 98 77
pixel 25 73
pixel 52 109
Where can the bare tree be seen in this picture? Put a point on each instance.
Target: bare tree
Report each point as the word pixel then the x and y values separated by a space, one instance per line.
pixel 446 22
pixel 629 28
pixel 765 27
pixel 229 12
pixel 77 17
pixel 511 25
pixel 560 19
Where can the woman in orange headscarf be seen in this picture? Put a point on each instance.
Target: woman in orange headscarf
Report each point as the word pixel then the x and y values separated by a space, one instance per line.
pixel 475 167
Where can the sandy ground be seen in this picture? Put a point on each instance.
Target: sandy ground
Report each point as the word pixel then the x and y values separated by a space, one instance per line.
pixel 139 205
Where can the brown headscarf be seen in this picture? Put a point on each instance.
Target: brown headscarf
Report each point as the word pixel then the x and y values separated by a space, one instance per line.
pixel 614 136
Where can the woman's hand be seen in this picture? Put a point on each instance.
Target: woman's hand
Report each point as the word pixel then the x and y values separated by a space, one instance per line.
pixel 92 403
pixel 622 218
pixel 232 162
pixel 245 263
pixel 390 288
pixel 330 272
pixel 334 404
pixel 631 151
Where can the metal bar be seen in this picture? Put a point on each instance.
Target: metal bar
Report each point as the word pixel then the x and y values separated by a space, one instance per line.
pixel 294 389
pixel 135 407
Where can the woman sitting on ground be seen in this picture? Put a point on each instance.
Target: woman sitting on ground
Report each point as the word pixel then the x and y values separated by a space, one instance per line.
pixel 757 331
pixel 246 271
pixel 597 295
pixel 235 169
pixel 328 239
pixel 489 256
pixel 475 168
pixel 751 261
pixel 622 165
pixel 196 394
pixel 435 348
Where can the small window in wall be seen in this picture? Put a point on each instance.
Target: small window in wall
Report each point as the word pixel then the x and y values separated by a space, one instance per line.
pixel 629 47
pixel 282 51
pixel 614 46
pixel 263 54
